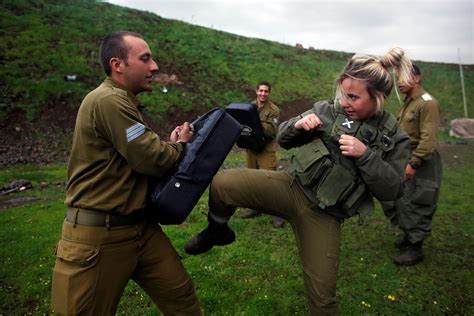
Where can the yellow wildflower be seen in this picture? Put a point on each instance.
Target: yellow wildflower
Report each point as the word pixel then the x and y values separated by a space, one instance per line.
pixel 364 303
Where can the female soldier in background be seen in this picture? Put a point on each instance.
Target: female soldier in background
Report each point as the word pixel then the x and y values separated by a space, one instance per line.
pixel 350 150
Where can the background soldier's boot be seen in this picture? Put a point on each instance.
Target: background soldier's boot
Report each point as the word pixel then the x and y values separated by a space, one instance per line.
pixel 278 222
pixel 402 243
pixel 412 256
pixel 250 214
pixel 214 235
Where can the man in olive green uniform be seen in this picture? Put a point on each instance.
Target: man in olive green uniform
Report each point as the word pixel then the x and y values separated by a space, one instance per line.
pixel 106 237
pixel 420 118
pixel 266 157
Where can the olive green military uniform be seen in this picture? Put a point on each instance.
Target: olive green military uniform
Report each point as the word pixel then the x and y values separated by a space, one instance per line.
pixel 420 118
pixel 347 187
pixel 266 158
pixel 106 239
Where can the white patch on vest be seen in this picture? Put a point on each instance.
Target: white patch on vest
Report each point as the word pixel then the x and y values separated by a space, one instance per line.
pixel 347 123
pixel 426 97
pixel 275 120
pixel 135 131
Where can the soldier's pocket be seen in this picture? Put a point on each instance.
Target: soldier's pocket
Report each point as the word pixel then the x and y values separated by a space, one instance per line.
pixel 425 192
pixel 75 274
pixel 311 163
pixel 411 116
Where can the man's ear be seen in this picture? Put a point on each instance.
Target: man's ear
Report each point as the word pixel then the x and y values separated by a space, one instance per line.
pixel 116 64
pixel 417 79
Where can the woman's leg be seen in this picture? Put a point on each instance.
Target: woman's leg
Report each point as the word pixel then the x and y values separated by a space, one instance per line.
pixel 265 190
pixel 318 237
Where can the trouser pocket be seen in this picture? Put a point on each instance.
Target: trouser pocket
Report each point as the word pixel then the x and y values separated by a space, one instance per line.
pixel 425 192
pixel 74 276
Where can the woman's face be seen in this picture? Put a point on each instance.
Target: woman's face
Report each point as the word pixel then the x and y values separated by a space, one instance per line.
pixel 356 100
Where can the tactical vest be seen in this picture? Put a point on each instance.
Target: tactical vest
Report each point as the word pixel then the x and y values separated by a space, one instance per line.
pixel 333 180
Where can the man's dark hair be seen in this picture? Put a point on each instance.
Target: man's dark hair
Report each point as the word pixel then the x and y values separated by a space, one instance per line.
pixel 264 83
pixel 114 46
pixel 415 70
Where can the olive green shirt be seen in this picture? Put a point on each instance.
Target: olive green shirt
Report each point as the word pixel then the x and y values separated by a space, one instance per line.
pixel 269 115
pixel 114 152
pixel 420 118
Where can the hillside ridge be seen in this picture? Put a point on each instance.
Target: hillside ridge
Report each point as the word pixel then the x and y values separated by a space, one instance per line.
pixel 49 57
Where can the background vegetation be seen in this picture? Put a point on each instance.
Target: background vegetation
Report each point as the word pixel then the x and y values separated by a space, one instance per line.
pixel 42 41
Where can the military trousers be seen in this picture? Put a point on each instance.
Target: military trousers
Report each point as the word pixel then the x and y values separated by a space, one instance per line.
pixel 415 209
pixel 318 235
pixel 94 264
pixel 266 159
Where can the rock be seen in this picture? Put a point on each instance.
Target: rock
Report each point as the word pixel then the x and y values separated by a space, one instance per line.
pixel 462 128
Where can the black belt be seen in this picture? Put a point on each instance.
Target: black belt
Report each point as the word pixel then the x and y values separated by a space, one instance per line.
pixel 99 219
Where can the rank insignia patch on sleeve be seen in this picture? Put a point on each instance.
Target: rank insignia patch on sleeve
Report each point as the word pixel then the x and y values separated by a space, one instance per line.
pixel 135 131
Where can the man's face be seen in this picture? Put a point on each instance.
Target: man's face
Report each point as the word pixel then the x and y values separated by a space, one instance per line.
pixel 139 67
pixel 356 100
pixel 262 93
pixel 406 89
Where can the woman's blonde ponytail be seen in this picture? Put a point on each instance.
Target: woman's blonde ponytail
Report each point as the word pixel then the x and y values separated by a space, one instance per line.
pixel 396 58
pixel 376 72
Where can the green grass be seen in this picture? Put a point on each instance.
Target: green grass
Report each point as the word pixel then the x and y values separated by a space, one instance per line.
pixel 215 67
pixel 259 274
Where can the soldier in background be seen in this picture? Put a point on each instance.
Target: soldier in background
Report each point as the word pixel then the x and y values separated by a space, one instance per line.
pixel 266 157
pixel 106 238
pixel 413 212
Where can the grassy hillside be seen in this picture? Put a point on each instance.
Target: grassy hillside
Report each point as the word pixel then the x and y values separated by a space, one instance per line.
pixel 42 41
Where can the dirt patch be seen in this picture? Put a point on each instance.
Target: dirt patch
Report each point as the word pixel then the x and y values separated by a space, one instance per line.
pixel 18 201
pixel 293 108
pixel 43 141
pixel 455 154
pixel 48 139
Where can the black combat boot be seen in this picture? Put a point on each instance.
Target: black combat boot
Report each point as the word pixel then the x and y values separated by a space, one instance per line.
pixel 214 235
pixel 402 243
pixel 412 256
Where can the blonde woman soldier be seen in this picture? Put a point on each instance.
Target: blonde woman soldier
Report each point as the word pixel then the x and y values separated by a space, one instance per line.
pixel 349 151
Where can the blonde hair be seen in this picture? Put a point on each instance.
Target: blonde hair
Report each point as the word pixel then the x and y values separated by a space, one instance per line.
pixel 377 73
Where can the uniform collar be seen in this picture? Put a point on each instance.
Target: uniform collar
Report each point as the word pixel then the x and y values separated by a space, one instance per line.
pixel 420 92
pixel 264 104
pixel 114 84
